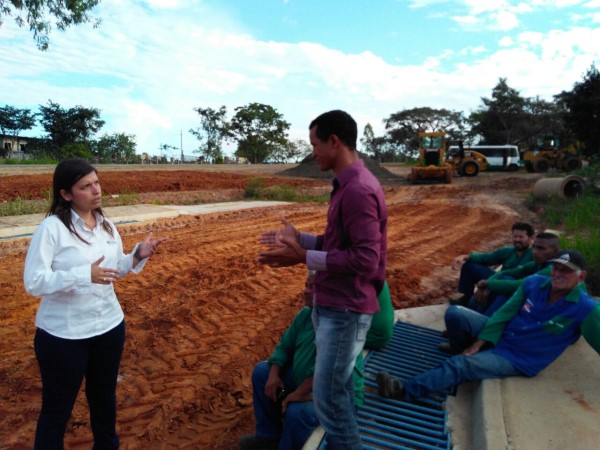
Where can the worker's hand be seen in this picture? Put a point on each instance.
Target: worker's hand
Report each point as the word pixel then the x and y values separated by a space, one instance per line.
pixel 272 385
pixel 103 275
pixel 474 348
pixel 288 254
pixel 296 397
pixel 458 261
pixel 274 238
pixel 149 246
pixel 481 295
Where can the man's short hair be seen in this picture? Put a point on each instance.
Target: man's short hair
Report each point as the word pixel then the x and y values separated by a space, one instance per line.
pixel 523 226
pixel 552 238
pixel 336 122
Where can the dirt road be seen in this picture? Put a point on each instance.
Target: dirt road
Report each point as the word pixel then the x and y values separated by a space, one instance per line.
pixel 203 312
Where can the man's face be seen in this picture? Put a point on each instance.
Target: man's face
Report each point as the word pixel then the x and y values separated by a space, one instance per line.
pixel 520 240
pixel 309 290
pixel 564 278
pixel 542 250
pixel 323 151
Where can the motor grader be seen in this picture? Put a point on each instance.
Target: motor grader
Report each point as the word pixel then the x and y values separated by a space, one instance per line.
pixel 432 166
pixel 547 153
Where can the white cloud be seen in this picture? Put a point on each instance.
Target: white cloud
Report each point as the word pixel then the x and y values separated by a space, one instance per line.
pixel 147 71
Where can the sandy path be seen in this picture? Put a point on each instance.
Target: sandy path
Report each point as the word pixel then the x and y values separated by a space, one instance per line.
pixel 203 312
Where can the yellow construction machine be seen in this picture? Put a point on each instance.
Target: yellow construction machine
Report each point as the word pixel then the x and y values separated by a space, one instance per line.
pixel 432 166
pixel 466 162
pixel 548 153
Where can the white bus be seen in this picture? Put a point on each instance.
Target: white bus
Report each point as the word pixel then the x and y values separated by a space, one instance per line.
pixel 499 157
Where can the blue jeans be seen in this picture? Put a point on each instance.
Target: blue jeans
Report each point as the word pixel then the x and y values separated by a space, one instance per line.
pixel 300 420
pixel 463 326
pixel 457 370
pixel 63 365
pixel 470 274
pixel 340 337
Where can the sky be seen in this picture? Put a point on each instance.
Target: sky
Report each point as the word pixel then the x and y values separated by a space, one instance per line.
pixel 150 63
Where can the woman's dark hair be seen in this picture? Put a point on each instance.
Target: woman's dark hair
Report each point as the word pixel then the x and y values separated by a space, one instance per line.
pixel 66 174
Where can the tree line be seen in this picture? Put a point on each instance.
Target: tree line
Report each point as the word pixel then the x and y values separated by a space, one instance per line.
pixel 504 118
pixel 69 133
pixel 260 132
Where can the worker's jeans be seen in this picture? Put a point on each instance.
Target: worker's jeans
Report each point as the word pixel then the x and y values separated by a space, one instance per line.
pixel 63 365
pixel 340 337
pixel 298 422
pixel 463 326
pixel 470 274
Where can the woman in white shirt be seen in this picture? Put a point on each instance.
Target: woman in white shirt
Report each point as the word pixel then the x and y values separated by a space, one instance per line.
pixel 73 259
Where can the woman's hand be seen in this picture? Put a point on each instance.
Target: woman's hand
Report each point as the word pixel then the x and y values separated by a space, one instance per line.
pixel 148 247
pixel 103 275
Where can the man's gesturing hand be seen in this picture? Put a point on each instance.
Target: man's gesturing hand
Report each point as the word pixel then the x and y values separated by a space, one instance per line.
pixel 288 253
pixel 274 238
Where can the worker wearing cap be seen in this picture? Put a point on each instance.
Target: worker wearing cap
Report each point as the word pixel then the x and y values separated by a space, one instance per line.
pixel 541 320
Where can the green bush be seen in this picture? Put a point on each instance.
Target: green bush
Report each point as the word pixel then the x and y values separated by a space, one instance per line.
pixel 40 160
pixel 580 221
pixel 20 206
pixel 254 188
pixel 283 193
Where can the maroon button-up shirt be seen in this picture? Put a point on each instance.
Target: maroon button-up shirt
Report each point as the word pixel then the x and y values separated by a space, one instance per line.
pixel 350 256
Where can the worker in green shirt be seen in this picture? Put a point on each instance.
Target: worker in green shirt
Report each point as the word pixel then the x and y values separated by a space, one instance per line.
pixel 282 386
pixel 475 267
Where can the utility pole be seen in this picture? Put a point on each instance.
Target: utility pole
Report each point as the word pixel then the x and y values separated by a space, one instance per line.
pixel 181 144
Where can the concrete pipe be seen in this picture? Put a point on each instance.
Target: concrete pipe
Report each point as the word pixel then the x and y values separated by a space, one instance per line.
pixel 568 187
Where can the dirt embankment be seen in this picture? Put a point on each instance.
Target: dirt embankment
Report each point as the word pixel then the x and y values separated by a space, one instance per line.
pixel 203 312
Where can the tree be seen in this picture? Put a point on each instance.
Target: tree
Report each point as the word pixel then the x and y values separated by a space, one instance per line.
pixel 211 133
pixel 499 120
pixel 258 129
pixel 39 13
pixel 368 141
pixel 116 147
pixel 13 121
pixel 403 127
pixel 291 150
pixel 68 126
pixel 581 111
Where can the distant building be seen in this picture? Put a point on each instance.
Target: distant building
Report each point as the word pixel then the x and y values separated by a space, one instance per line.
pixel 12 147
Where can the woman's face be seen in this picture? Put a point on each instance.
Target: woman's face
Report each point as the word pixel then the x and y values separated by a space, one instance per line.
pixel 85 195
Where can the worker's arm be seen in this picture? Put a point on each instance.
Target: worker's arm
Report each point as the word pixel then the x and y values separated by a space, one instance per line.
pixel 590 328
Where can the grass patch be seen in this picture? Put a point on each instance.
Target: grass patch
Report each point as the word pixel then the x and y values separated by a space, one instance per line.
pixel 124 198
pixel 580 221
pixel 13 162
pixel 256 190
pixel 20 206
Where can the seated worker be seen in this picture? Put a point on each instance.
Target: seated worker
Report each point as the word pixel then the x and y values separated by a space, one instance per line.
pixel 282 386
pixel 492 293
pixel 544 317
pixel 382 323
pixel 476 266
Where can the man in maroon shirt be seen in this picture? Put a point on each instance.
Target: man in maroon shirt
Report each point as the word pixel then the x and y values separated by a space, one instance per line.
pixel 350 262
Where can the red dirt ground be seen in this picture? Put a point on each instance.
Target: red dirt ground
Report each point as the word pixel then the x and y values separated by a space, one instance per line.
pixel 203 312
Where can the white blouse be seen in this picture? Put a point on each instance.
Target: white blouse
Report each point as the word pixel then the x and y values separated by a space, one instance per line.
pixel 58 268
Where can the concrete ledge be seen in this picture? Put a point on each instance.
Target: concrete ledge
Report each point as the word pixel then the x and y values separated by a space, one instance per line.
pixel 488 431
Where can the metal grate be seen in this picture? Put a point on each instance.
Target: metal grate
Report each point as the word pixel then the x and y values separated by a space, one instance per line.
pixel 393 424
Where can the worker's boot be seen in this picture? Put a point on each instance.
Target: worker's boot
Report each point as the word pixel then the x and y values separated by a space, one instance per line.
pixel 389 387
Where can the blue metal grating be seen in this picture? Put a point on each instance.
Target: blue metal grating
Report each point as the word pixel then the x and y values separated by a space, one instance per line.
pixel 393 424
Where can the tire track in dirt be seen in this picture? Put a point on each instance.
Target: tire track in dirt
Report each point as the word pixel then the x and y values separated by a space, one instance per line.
pixel 203 312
